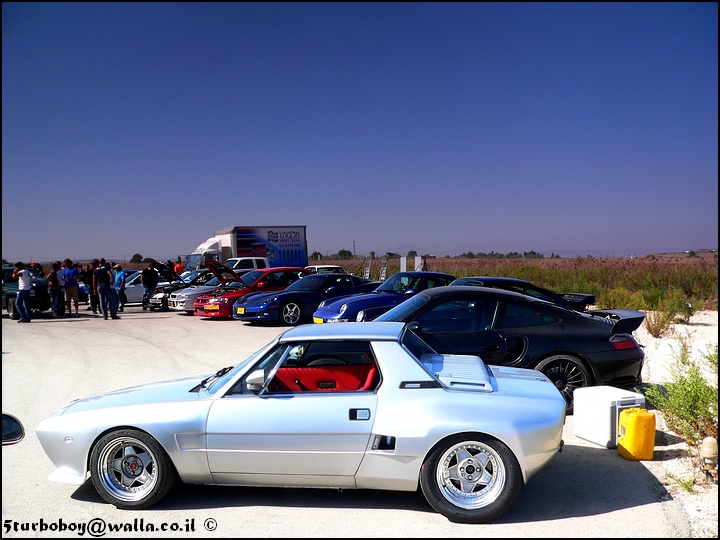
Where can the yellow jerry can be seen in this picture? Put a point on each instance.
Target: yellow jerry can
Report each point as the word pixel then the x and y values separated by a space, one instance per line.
pixel 636 434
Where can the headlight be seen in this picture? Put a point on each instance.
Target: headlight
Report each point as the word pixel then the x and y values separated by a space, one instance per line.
pixel 360 316
pixel 322 304
pixel 342 309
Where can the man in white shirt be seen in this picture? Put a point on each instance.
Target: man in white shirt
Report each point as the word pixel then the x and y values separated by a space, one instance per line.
pixel 22 302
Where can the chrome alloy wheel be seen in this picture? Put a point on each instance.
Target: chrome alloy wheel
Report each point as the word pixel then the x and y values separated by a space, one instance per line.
pixel 471 475
pixel 127 469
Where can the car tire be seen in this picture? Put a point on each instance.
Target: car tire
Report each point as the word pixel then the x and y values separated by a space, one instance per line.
pixel 130 470
pixel 567 373
pixel 291 313
pixel 12 309
pixel 471 478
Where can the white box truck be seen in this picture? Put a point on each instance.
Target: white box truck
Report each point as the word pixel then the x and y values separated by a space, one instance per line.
pixel 282 246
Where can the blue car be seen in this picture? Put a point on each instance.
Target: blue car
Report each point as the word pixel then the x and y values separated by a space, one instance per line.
pixel 296 303
pixel 365 307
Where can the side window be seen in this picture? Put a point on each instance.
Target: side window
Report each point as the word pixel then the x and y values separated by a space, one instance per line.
pixel 343 282
pixel 334 366
pixel 261 264
pixel 517 316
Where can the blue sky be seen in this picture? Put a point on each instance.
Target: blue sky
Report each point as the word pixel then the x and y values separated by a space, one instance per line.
pixel 574 129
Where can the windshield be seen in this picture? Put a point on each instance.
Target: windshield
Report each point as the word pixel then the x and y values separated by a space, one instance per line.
pixel 312 282
pixel 398 283
pixel 402 311
pixel 251 277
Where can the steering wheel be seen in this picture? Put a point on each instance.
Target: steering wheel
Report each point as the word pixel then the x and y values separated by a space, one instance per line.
pixel 328 361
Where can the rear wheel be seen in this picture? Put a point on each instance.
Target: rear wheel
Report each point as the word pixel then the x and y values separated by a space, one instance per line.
pixel 471 478
pixel 291 313
pixel 131 470
pixel 567 373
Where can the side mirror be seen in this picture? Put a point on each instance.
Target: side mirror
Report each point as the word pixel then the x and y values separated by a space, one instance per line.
pixel 255 381
pixel 409 292
pixel 12 430
pixel 261 285
pixel 415 327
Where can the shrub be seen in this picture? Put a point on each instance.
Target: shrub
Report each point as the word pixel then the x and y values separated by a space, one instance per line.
pixel 657 323
pixel 689 403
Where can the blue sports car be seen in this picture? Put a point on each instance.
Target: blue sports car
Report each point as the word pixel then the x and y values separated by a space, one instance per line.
pixel 365 307
pixel 296 303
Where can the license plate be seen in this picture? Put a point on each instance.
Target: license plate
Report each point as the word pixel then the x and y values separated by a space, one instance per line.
pixel 318 320
pixel 210 308
pixel 240 311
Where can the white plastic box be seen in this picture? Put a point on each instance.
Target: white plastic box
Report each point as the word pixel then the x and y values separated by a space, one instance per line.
pixel 596 412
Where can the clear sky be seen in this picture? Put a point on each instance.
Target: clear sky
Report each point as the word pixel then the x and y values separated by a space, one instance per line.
pixel 574 129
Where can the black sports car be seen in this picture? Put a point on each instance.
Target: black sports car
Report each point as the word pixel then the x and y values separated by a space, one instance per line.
pixel 578 301
pixel 573 348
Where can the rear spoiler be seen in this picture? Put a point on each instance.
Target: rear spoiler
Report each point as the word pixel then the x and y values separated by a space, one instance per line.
pixel 626 320
pixel 579 301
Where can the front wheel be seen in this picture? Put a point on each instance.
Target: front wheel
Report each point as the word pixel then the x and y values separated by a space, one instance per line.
pixel 12 309
pixel 291 313
pixel 567 373
pixel 471 478
pixel 131 470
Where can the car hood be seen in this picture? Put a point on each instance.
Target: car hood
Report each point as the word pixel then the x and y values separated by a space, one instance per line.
pixel 156 392
pixel 374 299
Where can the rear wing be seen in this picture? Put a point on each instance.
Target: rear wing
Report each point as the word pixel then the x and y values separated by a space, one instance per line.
pixel 579 301
pixel 624 321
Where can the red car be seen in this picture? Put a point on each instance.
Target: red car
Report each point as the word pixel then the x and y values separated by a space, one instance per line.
pixel 219 302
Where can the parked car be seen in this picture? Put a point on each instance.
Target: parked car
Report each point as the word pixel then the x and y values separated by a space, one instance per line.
pixel 297 303
pixel 573 349
pixel 245 264
pixel 326 269
pixel 161 297
pixel 184 299
pixel 219 302
pixel 134 289
pixel 365 307
pixel 351 406
pixel 578 301
pixel 39 295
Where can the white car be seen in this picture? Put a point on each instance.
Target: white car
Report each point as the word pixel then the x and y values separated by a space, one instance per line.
pixel 326 269
pixel 345 406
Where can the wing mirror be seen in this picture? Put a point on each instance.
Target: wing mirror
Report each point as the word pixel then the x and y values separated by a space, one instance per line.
pixel 409 292
pixel 255 381
pixel 12 430
pixel 415 327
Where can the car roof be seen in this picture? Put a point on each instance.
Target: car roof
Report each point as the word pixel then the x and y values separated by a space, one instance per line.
pixel 490 292
pixel 377 331
pixel 496 279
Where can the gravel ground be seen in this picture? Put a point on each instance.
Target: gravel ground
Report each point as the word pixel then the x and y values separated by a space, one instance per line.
pixel 673 455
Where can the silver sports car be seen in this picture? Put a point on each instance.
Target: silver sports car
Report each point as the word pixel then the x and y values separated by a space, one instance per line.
pixel 356 405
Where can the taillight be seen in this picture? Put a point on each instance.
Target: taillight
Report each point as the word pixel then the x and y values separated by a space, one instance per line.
pixel 623 342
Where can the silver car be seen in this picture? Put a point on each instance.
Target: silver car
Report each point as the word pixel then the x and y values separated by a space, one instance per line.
pixel 346 406
pixel 184 299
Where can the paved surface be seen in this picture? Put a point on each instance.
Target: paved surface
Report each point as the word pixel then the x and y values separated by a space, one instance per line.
pixel 586 491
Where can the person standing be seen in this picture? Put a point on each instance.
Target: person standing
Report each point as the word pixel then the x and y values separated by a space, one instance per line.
pixel 54 289
pixel 179 267
pixel 103 284
pixel 22 302
pixel 149 280
pixel 94 298
pixel 72 296
pixel 120 287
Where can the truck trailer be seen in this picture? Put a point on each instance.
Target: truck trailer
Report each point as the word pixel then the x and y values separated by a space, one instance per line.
pixel 282 246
